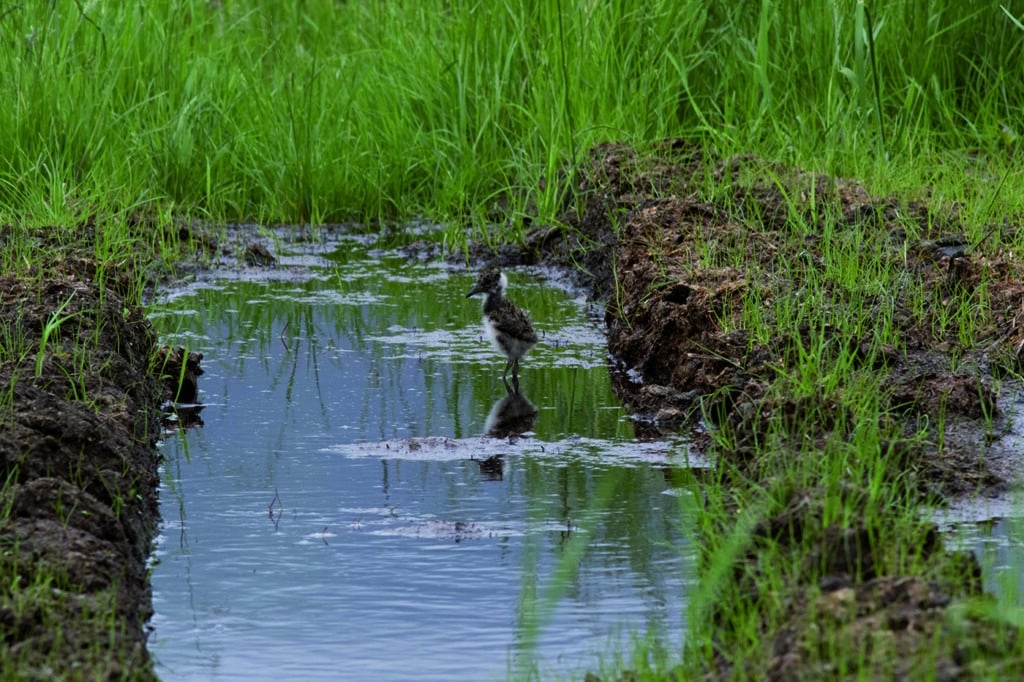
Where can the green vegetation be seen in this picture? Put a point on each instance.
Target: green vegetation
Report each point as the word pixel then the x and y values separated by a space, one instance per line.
pixel 125 120
pixel 327 111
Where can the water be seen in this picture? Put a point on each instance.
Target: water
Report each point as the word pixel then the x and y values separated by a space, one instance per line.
pixel 991 526
pixel 342 514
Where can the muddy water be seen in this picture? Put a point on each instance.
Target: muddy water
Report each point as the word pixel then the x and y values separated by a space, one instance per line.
pixel 355 502
pixel 991 525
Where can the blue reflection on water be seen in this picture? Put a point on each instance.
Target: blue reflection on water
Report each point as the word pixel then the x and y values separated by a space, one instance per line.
pixel 284 555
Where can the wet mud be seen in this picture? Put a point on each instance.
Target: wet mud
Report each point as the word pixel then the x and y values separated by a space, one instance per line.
pixel 77 432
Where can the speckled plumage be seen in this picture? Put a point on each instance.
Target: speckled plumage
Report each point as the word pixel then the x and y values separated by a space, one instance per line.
pixel 509 328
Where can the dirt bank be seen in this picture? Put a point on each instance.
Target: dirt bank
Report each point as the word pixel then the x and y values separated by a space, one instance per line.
pixel 77 431
pixel 646 239
pixel 672 241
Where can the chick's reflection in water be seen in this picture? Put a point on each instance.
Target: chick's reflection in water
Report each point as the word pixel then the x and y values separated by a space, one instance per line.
pixel 509 418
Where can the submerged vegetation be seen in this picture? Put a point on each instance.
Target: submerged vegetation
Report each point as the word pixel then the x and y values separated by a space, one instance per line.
pixel 125 122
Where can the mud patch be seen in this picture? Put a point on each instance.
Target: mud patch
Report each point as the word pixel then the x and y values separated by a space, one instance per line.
pixel 489 452
pixel 77 435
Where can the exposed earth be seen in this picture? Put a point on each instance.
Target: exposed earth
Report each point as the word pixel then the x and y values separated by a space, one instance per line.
pixel 78 428
pixel 77 433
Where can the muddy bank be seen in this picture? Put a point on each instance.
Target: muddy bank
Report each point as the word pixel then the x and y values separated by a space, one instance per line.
pixel 78 426
pixel 672 242
pixel 677 320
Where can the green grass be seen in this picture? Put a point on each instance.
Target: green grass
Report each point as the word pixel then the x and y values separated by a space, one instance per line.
pixel 474 112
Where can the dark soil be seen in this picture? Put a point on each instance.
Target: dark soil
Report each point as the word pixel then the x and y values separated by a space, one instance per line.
pixel 77 432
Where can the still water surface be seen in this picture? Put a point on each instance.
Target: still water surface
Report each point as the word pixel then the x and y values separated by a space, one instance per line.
pixel 342 514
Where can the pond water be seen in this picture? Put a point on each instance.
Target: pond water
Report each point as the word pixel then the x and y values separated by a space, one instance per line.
pixel 361 498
